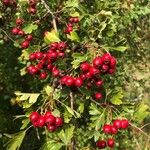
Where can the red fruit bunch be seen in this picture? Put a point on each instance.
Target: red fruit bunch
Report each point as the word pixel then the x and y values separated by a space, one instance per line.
pixel 8 3
pixel 17 31
pixel 43 62
pixel 73 24
pixel 112 129
pixel 48 119
pixel 32 6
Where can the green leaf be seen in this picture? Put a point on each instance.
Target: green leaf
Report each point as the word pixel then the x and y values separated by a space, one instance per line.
pixel 141 112
pixel 81 107
pixel 94 110
pixel 51 37
pixel 116 99
pixel 73 36
pixel 52 145
pixel 96 135
pixel 78 58
pixel 56 113
pixel 119 48
pixel 70 110
pixel 33 98
pixel 48 89
pixel 30 28
pixel 25 122
pixel 66 135
pixel 75 14
pixel 16 141
pixel 71 3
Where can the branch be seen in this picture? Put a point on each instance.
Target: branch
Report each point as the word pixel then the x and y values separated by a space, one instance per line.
pixel 49 11
pixel 7 35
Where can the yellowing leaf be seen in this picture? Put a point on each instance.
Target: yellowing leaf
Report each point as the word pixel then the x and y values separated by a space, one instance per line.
pixel 51 37
pixel 73 36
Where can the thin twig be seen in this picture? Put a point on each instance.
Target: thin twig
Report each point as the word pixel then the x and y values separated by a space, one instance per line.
pixel 139 130
pixel 7 35
pixel 49 11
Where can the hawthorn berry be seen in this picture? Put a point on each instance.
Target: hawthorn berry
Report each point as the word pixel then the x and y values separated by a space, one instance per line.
pixel 113 62
pixel 47 114
pixel 34 116
pixel 107 129
pixel 99 83
pixel 50 120
pixel 124 124
pixel 117 123
pixel 41 121
pixel 85 66
pixel 98 96
pixel 6 2
pixel 94 71
pixel 105 68
pixel 114 130
pixel 43 75
pixel 21 33
pixel 97 62
pixel 29 37
pixel 51 128
pixel 106 58
pixel 19 21
pixel 59 122
pixel 110 142
pixel 69 81
pixel 32 10
pixel 32 56
pixel 55 72
pixel 39 55
pixel 101 144
pixel 25 44
pixel 78 82
pixel 15 30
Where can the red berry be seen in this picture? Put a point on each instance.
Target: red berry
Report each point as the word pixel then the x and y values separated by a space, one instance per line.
pixel 19 21
pixel 41 121
pixel 83 76
pixel 99 83
pixel 32 10
pixel 111 71
pixel 70 81
pixel 32 3
pixel 78 82
pixel 98 96
pixel 32 70
pixel 106 58
pixel 69 29
pixel 71 20
pixel 61 46
pixel 113 62
pixel 43 75
pixel 32 56
pixel 35 124
pixel 6 2
pixel 88 75
pixel 15 30
pixel 51 128
pixel 47 114
pixel 34 116
pixel 105 68
pixel 114 130
pixel 107 128
pixel 49 67
pixel 61 54
pixel 76 20
pixel 54 46
pixel 59 122
pixel 94 71
pixel 29 37
pixel 21 33
pixel 63 80
pixel 85 66
pixel 117 123
pixel 39 66
pixel 101 144
pixel 55 72
pixel 70 25
pixel 25 44
pixel 110 142
pixel 39 55
pixel 124 124
pixel 52 55
pixel 50 120
pixel 97 62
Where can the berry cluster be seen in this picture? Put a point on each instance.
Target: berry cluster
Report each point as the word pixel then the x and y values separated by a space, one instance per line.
pixel 32 6
pixel 48 120
pixel 91 73
pixel 73 23
pixel 42 62
pixel 9 2
pixel 17 31
pixel 112 129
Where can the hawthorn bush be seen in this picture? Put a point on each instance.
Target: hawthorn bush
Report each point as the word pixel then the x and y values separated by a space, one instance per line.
pixel 76 74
